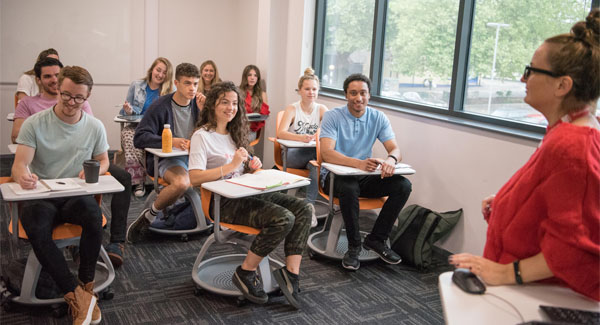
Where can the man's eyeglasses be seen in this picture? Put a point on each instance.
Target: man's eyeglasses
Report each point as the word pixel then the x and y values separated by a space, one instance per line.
pixel 529 69
pixel 67 97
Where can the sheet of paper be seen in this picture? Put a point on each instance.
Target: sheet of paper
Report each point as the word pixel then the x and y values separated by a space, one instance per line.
pixel 266 179
pixel 40 188
pixel 61 184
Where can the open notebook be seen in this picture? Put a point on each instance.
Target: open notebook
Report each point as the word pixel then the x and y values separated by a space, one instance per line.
pixel 266 179
pixel 346 170
pixel 47 185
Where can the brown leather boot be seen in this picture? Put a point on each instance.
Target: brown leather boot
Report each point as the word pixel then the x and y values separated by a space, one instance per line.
pixel 96 315
pixel 81 304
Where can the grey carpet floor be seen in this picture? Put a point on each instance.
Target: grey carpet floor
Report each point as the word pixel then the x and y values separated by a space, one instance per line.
pixel 154 286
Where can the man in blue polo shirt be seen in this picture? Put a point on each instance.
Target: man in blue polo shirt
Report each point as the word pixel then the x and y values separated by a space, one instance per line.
pixel 347 137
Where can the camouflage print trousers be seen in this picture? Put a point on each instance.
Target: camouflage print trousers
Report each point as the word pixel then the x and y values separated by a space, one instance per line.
pixel 278 216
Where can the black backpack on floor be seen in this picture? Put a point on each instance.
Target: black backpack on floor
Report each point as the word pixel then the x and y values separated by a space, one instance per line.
pixel 417 231
pixel 12 276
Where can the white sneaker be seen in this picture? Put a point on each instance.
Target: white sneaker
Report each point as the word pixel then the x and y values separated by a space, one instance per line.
pixel 314 222
pixel 140 190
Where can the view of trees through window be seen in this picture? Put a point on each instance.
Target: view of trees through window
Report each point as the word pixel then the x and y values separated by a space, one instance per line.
pixel 419 45
pixel 348 37
pixel 419 51
pixel 505 35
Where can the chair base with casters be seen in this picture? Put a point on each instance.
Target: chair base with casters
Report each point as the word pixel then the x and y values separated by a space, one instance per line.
pixel 214 274
pixel 63 235
pixel 331 241
pixel 104 276
pixel 194 198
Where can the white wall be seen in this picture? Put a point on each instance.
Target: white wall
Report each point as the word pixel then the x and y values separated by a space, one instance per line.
pixel 456 166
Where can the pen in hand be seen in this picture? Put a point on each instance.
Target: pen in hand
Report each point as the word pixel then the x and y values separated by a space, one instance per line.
pixel 31 178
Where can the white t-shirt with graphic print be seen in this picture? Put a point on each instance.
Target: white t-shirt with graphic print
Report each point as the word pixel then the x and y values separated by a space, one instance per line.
pixel 209 149
pixel 305 123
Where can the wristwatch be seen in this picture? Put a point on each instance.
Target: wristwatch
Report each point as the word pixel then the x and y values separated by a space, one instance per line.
pixel 393 157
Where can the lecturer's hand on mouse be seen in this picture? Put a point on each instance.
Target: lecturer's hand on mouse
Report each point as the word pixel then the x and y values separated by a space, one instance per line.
pixel 490 272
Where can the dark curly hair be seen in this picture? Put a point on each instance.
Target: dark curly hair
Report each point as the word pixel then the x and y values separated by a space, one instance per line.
pixel 577 55
pixel 357 77
pixel 238 126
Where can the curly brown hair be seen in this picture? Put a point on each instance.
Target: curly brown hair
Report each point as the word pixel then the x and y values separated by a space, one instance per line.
pixel 238 126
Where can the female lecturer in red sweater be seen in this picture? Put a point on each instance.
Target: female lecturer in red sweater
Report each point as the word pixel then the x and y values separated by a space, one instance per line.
pixel 544 224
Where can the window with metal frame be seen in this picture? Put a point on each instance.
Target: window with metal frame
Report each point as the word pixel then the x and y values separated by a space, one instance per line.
pixel 459 59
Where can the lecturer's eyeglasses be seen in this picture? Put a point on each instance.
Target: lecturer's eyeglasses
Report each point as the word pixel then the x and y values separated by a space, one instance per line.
pixel 529 69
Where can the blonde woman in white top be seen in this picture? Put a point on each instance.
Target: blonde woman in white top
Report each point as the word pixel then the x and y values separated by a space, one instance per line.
pixel 300 122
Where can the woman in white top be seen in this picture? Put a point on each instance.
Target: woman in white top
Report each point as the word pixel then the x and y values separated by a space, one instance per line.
pixel 27 86
pixel 218 151
pixel 300 122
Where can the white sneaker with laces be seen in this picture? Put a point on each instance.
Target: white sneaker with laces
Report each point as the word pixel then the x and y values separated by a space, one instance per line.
pixel 314 222
pixel 140 190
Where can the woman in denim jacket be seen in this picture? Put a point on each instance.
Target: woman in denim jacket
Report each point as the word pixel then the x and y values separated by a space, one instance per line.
pixel 141 94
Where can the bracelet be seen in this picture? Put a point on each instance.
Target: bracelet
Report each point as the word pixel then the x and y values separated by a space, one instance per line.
pixel 517 272
pixel 221 172
pixel 395 159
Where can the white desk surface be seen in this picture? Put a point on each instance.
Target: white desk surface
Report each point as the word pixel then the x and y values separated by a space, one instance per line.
pixel 345 170
pixel 464 308
pixel 235 191
pixel 120 120
pixel 175 153
pixel 12 148
pixel 10 116
pixel 297 144
pixel 106 184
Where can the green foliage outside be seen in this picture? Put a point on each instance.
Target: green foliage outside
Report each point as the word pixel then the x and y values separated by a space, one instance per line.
pixel 421 34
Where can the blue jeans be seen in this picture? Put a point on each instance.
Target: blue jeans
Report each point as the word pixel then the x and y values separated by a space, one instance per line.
pixel 39 217
pixel 299 158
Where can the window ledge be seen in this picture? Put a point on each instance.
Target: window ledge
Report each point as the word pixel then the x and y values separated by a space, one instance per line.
pixel 523 134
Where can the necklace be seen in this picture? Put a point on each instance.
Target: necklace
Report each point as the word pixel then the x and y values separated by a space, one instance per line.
pixel 568 118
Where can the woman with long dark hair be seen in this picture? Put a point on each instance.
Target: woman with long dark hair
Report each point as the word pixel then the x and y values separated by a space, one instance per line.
pixel 218 151
pixel 255 98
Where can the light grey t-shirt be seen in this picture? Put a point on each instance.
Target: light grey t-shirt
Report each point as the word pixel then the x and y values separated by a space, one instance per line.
pixel 183 120
pixel 61 148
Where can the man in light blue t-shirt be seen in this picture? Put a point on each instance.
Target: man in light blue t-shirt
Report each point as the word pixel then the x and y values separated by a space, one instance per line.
pixel 347 137
pixel 54 143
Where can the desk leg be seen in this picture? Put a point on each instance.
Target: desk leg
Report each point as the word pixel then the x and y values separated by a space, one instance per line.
pixel 330 216
pixel 15 227
pixel 156 174
pixel 217 218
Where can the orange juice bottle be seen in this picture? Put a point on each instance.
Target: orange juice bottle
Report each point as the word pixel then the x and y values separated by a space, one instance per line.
pixel 167 139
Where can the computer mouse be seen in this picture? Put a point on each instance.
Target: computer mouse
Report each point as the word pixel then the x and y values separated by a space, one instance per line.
pixel 468 281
